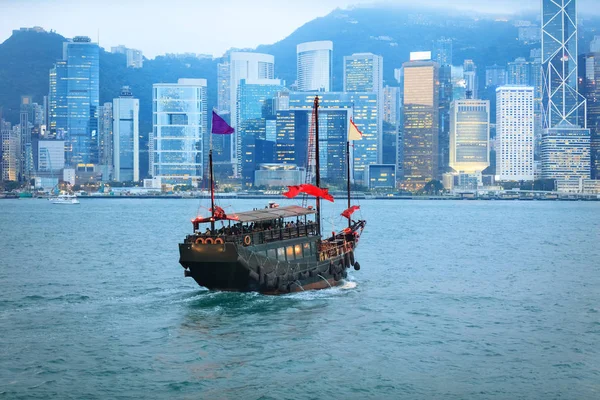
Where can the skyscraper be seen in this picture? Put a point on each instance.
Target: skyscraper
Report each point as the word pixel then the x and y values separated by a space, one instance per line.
pixel 470 75
pixel 26 150
pixel 520 72
pixel 10 151
pixel 254 109
pixel 565 149
pixel 363 72
pixel 514 133
pixel 249 66
pixel 314 66
pixel 443 51
pixel 561 99
pixel 336 108
pixel 495 75
pixel 180 134
pixel 591 91
pixel 126 137
pixel 74 100
pixel 105 141
pixel 420 113
pixel 470 135
pixel 135 58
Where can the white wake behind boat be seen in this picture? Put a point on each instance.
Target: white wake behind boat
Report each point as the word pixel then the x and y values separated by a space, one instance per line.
pixel 65 199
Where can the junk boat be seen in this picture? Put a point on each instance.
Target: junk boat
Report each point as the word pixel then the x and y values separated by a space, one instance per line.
pixel 274 250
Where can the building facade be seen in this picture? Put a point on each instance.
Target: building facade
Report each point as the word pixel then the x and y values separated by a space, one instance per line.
pixel 180 131
pixel 314 66
pixel 363 72
pixel 591 91
pixel 470 135
pixel 514 133
pixel 562 102
pixel 566 153
pixel 74 100
pixel 249 66
pixel 126 137
pixel 421 122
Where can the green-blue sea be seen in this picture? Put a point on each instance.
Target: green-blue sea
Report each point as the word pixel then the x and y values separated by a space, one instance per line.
pixel 454 300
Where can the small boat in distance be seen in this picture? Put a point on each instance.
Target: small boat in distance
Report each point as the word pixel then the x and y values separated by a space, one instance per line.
pixel 274 250
pixel 64 199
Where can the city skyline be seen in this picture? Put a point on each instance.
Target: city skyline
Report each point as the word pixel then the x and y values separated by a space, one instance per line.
pixel 182 34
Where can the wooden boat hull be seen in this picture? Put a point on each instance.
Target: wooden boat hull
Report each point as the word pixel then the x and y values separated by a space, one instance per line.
pixel 234 267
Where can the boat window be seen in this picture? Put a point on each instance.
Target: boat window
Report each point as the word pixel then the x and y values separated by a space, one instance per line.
pixel 281 254
pixel 289 251
pixel 298 250
pixel 307 251
pixel 271 253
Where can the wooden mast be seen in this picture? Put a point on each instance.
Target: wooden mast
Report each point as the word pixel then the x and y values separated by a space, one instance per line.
pixel 317 166
pixel 348 166
pixel 212 193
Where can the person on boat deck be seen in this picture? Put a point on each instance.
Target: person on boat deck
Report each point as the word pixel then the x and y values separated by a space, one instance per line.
pixel 207 231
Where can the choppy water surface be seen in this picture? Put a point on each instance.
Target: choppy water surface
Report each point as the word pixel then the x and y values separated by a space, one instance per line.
pixel 454 300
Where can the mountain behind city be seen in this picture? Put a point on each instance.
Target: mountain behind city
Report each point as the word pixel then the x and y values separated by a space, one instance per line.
pixel 392 32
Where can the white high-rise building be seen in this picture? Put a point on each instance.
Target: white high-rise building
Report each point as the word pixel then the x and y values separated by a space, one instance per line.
pixel 126 137
pixel 135 58
pixel 249 66
pixel 514 133
pixel 314 66
pixel 180 132
pixel 469 135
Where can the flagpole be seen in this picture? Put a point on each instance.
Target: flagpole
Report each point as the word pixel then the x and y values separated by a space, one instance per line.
pixel 212 184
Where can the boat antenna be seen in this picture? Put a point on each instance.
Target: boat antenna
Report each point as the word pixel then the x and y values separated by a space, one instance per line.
pixel 317 166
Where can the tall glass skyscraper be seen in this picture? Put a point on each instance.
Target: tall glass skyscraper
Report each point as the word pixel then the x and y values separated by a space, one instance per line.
pixel 74 100
pixel 421 121
pixel 126 137
pixel 249 66
pixel 254 108
pixel 470 135
pixel 180 134
pixel 592 95
pixel 314 65
pixel 336 108
pixel 562 102
pixel 363 72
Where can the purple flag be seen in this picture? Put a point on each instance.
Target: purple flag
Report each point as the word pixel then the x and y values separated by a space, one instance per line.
pixel 219 126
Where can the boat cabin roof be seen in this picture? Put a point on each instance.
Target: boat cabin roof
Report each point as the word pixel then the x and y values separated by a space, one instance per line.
pixel 268 214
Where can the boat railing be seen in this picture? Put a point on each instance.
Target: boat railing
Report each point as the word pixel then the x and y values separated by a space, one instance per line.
pixel 332 249
pixel 254 237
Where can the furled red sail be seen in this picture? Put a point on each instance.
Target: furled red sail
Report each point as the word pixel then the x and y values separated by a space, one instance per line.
pixel 349 211
pixel 312 190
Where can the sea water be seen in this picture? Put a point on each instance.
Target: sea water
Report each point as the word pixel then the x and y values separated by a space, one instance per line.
pixel 454 300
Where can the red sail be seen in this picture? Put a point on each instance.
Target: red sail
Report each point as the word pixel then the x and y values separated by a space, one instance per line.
pixel 349 211
pixel 316 191
pixel 292 192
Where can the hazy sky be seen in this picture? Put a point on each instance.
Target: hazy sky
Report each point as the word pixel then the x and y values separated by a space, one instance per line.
pixel 199 26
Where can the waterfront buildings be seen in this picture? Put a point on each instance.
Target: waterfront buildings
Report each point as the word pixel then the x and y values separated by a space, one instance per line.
pixel 74 100
pixel 514 133
pixel 249 66
pixel 565 149
pixel 591 91
pixel 363 72
pixel 314 66
pixel 469 135
pixel 336 108
pixel 11 145
pixel 126 137
pixel 420 123
pixel 180 131
pixel 566 153
pixel 105 140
